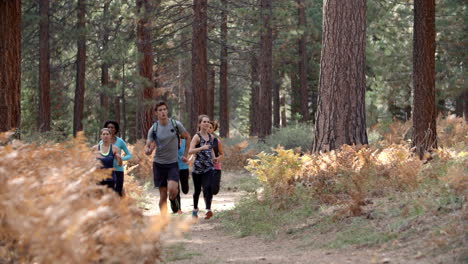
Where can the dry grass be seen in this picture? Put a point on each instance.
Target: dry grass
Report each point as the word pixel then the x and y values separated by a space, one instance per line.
pixel 52 211
pixel 236 156
pixel 141 165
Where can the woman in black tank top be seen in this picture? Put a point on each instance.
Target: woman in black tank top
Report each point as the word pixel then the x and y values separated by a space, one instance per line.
pixel 202 146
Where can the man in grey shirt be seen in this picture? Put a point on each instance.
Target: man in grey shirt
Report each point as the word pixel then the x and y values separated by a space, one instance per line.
pixel 163 137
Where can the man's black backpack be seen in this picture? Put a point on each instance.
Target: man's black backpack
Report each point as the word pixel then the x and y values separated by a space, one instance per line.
pixel 174 126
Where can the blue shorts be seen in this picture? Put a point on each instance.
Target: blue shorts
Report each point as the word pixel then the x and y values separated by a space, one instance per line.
pixel 165 172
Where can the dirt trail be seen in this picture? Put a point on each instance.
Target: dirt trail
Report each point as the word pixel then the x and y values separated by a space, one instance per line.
pixel 207 243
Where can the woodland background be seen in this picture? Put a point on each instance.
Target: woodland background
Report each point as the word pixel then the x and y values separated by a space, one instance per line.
pixel 83 62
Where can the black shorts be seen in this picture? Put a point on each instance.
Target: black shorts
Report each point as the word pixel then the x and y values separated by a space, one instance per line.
pixel 165 172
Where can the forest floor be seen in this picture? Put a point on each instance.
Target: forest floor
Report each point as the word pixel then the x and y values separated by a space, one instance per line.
pixel 207 241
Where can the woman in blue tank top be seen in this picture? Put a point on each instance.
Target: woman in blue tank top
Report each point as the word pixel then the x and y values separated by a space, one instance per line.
pixel 107 154
pixel 114 129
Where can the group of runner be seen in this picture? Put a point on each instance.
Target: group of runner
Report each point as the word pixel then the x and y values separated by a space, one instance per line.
pixel 174 148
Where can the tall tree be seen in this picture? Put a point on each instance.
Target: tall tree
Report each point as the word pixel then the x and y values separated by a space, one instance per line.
pixel 44 116
pixel 199 61
pixel 223 75
pixel 424 109
pixel 341 115
pixel 276 100
pixel 103 97
pixel 145 68
pixel 254 113
pixel 266 61
pixel 10 64
pixel 210 93
pixel 304 107
pixel 80 68
pixel 295 93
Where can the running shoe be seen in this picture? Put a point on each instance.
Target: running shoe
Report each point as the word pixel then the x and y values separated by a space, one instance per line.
pixel 208 215
pixel 195 213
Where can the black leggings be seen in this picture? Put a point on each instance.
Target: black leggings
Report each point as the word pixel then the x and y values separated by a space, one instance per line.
pixel 183 178
pixel 119 181
pixel 202 180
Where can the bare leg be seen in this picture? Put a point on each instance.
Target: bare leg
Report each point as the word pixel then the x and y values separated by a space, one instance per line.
pixel 173 188
pixel 163 200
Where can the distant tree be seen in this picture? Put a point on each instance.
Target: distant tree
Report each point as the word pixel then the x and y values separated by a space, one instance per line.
pixel 276 100
pixel 266 45
pixel 254 113
pixel 44 116
pixel 199 61
pixel 304 104
pixel 210 92
pixel 223 75
pixel 103 97
pixel 424 108
pixel 341 117
pixel 10 64
pixel 80 68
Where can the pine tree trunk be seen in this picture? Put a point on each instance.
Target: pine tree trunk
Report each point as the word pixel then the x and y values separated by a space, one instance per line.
pixel 103 97
pixel 341 115
pixel 80 68
pixel 424 108
pixel 295 95
pixel 210 93
pixel 117 108
pixel 43 121
pixel 123 127
pixel 10 64
pixel 145 69
pixel 199 62
pixel 255 114
pixel 276 101
pixel 223 76
pixel 283 111
pixel 465 104
pixel 266 44
pixel 304 105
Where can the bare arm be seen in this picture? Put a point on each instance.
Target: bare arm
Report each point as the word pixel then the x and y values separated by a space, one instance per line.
pixel 220 150
pixel 187 138
pixel 149 147
pixel 117 156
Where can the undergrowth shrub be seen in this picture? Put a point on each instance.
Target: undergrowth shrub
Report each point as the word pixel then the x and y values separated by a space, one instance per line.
pixel 236 153
pixel 52 210
pixel 294 136
pixel 350 175
pixel 140 165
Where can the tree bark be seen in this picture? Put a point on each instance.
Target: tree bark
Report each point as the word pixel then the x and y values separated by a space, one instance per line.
pixel 255 115
pixel 44 116
pixel 304 105
pixel 266 44
pixel 117 108
pixel 145 69
pixel 276 101
pixel 424 108
pixel 123 127
pixel 199 62
pixel 10 64
pixel 80 68
pixel 341 117
pixel 295 95
pixel 210 93
pixel 223 76
pixel 283 111
pixel 103 95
